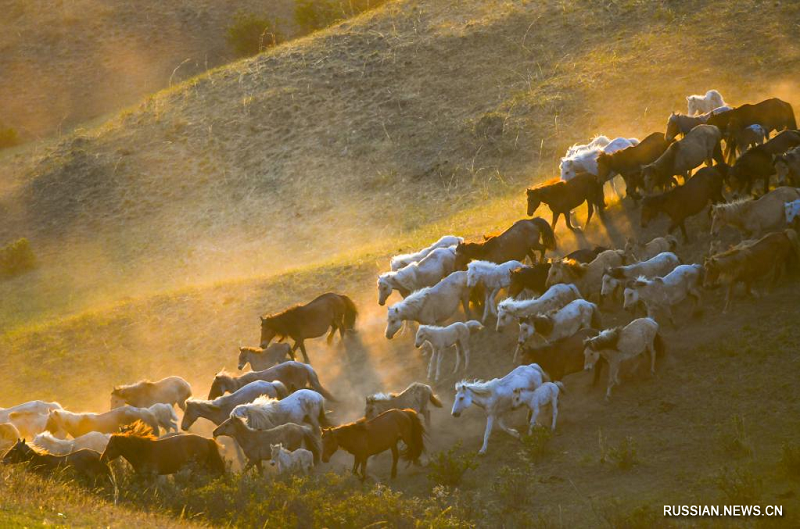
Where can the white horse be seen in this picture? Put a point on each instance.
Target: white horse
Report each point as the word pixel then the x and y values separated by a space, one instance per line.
pixel 598 142
pixel 219 409
pixel 441 338
pixel 425 273
pixel 495 397
pixel 165 415
pixel 636 251
pixel 299 460
pixel 416 397
pixel 430 305
pixel 623 343
pixel 587 277
pixel 33 406
pixel 399 261
pixel 791 210
pixel 265 413
pixel 535 400
pixel 494 277
pixel 663 293
pixel 61 422
pixel 585 160
pixel 96 441
pixel 560 323
pixel 658 266
pixel 511 309
pixel 697 104
pixel 143 394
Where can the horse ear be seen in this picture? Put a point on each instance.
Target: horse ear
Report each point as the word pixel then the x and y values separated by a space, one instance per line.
pixel 263 319
pixel 688 98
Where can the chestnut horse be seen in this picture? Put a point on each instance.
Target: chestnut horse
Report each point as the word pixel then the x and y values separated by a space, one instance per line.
pixel 311 320
pixel 520 240
pixel 168 455
pixel 365 438
pixel 83 462
pixel 562 197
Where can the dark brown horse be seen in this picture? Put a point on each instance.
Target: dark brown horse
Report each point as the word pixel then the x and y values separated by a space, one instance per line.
pixel 168 455
pixel 757 163
pixel 586 255
pixel 520 240
pixel 328 311
pixel 365 438
pixel 83 462
pixel 628 162
pixel 689 199
pixel 294 375
pixel 562 197
pixel 772 114
pixel 531 277
pixel 745 264
pixel 562 357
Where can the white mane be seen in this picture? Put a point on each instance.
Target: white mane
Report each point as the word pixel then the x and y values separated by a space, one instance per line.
pixel 734 207
pixel 413 302
pixel 380 397
pixel 480 387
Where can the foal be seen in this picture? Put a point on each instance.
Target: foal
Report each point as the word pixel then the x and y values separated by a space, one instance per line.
pixel 546 394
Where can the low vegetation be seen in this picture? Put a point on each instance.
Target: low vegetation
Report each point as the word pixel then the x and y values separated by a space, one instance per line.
pixel 16 258
pixel 448 467
pixel 250 34
pixel 9 137
pixel 739 485
pixel 312 15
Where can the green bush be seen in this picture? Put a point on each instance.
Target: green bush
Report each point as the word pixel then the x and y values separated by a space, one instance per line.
pixel 448 468
pixel 8 137
pixel 535 446
pixel 624 455
pixel 249 34
pixel 312 15
pixel 16 258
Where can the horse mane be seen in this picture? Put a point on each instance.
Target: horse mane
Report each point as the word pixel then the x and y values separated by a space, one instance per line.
pixel 144 383
pixel 732 208
pixel 605 340
pixel 225 373
pixel 547 183
pixel 253 350
pixel 137 430
pixel 574 266
pixel 481 387
pixel 381 397
pixel 413 300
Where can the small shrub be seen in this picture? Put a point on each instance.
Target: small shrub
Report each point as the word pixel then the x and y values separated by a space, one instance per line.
pixel 624 455
pixel 535 446
pixel 9 137
pixel 16 258
pixel 313 15
pixel 734 440
pixel 249 34
pixel 790 459
pixel 739 485
pixel 448 468
pixel 514 490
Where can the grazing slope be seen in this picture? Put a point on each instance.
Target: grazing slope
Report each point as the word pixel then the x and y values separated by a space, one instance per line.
pixel 326 155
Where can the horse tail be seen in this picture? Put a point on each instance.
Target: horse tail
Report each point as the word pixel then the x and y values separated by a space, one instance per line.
pixel 659 346
pixel 560 386
pixel 350 313
pixel 214 460
pixel 313 443
pixel 415 444
pixel 435 400
pixel 313 379
pixel 322 418
pixel 548 237
pixel 596 323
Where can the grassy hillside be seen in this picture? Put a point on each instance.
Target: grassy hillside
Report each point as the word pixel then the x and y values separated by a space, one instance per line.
pixel 164 233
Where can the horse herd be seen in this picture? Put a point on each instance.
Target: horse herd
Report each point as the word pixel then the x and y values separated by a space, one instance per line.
pixel 277 411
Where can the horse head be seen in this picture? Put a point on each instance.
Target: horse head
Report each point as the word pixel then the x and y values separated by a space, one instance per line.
pixel 385 288
pixel 393 322
pixel 329 444
pixel 464 252
pixel 463 399
pixel 712 271
pixel 590 356
pixel 630 297
pixel 113 448
pixel 516 398
pixel 534 201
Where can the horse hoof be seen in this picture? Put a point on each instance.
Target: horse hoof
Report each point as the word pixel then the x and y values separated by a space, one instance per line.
pixel 481 452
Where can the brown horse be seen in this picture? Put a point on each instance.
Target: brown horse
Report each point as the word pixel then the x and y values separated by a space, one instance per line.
pixel 772 114
pixel 745 264
pixel 628 162
pixel 689 199
pixel 520 240
pixel 293 375
pixel 168 455
pixel 758 162
pixel 586 255
pixel 562 197
pixel 562 357
pixel 531 277
pixel 83 462
pixel 365 438
pixel 328 311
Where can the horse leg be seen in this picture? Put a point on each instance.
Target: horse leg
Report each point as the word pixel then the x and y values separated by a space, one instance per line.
pixel 533 416
pixel 683 231
pixel 364 468
pixel 590 208
pixel 651 348
pixel 292 351
pixel 554 405
pixel 487 308
pixel 556 214
pixel 465 353
pixel 430 364
pixel 568 220
pixel 728 297
pixel 332 332
pixel 613 373
pixel 501 421
pixel 303 350
pixel 440 354
pixel 395 457
pixel 486 434
pixel 458 357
